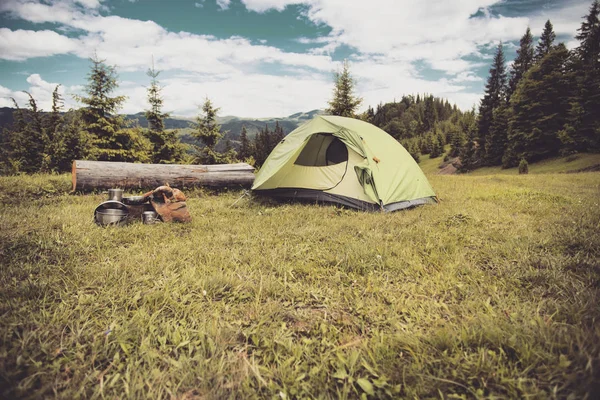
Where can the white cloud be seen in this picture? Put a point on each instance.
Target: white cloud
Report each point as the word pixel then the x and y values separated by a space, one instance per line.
pixel 264 5
pixel 93 4
pixel 199 4
pixel 389 38
pixel 21 44
pixel 224 4
pixel 565 21
pixel 466 76
pixel 41 91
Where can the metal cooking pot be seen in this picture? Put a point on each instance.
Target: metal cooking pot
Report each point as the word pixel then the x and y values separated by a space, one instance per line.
pixel 149 217
pixel 115 194
pixel 111 213
pixel 111 216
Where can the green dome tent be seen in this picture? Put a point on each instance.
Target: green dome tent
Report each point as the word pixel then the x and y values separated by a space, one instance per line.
pixel 344 161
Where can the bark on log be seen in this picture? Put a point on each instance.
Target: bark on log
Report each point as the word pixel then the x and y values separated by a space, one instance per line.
pixel 92 175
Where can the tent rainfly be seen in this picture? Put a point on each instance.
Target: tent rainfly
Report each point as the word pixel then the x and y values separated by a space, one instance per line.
pixel 344 161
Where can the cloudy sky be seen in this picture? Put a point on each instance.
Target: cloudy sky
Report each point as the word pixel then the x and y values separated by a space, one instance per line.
pixel 267 58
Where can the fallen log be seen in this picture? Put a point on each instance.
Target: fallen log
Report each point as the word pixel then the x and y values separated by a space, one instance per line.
pixel 93 175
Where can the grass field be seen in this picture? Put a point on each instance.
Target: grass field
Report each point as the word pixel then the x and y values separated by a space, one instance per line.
pixel 493 293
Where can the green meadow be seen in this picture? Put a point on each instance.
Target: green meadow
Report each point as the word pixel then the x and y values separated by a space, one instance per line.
pixel 492 293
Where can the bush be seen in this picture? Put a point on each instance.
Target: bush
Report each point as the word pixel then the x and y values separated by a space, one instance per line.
pixel 523 166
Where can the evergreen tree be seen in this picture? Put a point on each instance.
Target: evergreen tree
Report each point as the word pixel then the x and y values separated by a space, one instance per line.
pixel 53 125
pixel 430 114
pixel 437 146
pixel 262 145
pixel 154 115
pixel 10 137
pixel 208 132
pixel 166 148
pixel 441 142
pixel 540 106
pixel 6 167
pixel 28 139
pixel 265 141
pixel 344 102
pixel 468 155
pixel 111 141
pixel 229 154
pixel 583 129
pixel 589 37
pixel 546 41
pixel 370 115
pixel 414 152
pixel 428 145
pixel 496 142
pixel 71 142
pixel 278 134
pixel 495 95
pixel 55 118
pixel 245 145
pixel 456 144
pixel 523 61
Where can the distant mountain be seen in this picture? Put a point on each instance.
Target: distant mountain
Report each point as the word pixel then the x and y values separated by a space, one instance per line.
pixel 170 123
pixel 230 125
pixel 6 116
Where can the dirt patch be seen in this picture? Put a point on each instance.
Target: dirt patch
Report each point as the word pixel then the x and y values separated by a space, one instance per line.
pixel 447 170
pixel 450 167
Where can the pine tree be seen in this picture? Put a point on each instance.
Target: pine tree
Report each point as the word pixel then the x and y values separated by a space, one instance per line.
pixel 245 145
pixel 428 145
pixel 53 125
pixel 71 142
pixel 496 142
pixel 468 155
pixel 414 152
pixel 523 61
pixel 539 110
pixel 28 138
pixel 441 142
pixel 101 120
pixel 10 138
pixel 437 146
pixel 546 42
pixel 262 145
pixel 55 118
pixel 495 95
pixel 166 148
pixel 209 132
pixel 589 37
pixel 278 135
pixel 229 154
pixel 344 102
pixel 583 128
pixel 430 114
pixel 154 115
pixel 457 143
pixel 369 115
pixel 265 141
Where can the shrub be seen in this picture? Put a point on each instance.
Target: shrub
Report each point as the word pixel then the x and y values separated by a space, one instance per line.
pixel 523 166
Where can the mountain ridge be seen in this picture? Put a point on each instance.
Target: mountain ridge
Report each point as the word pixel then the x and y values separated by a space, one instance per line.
pixel 231 125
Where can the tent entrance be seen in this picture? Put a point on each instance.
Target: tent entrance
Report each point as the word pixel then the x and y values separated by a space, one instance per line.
pixel 322 150
pixel 320 165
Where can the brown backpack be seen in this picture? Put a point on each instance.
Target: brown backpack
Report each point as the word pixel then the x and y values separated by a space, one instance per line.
pixel 169 203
